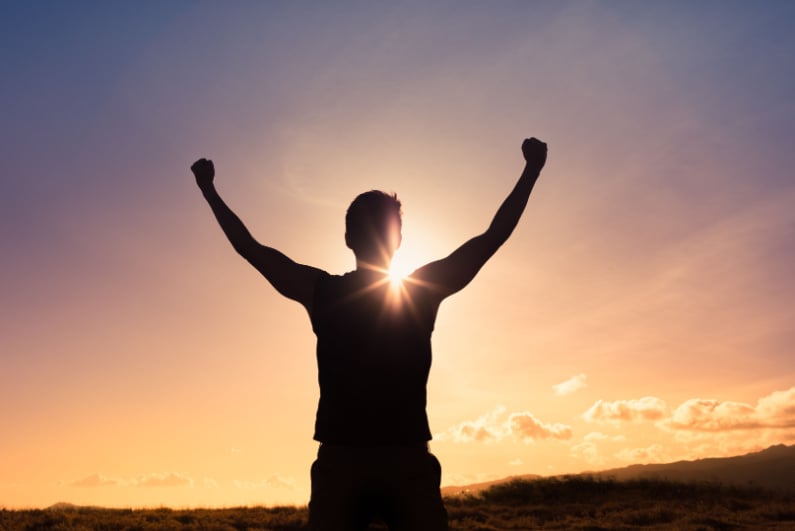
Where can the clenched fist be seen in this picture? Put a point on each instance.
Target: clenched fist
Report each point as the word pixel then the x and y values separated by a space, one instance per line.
pixel 204 171
pixel 535 152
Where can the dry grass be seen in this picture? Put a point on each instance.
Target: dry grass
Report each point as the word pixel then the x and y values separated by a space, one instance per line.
pixel 576 502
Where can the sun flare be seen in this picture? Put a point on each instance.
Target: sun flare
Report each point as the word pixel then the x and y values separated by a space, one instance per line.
pixel 397 274
pixel 399 269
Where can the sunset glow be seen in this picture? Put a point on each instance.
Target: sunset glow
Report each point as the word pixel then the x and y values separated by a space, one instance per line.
pixel 642 311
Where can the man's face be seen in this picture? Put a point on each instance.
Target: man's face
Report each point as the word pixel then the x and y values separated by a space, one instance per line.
pixel 393 235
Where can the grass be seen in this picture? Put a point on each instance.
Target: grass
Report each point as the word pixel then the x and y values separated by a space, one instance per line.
pixel 576 502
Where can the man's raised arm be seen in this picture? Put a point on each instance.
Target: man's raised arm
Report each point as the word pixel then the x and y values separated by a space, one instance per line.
pixel 452 273
pixel 294 281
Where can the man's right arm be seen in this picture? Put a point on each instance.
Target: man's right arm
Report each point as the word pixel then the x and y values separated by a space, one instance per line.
pixel 293 280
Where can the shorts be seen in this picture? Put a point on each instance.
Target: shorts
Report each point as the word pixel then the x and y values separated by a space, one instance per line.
pixel 353 486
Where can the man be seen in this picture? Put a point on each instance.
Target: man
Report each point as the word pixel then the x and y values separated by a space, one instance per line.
pixel 374 354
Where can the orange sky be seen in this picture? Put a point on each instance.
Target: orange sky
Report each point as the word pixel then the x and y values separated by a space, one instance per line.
pixel 641 312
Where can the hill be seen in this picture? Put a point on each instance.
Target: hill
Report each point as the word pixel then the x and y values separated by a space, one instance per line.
pixel 772 468
pixel 476 488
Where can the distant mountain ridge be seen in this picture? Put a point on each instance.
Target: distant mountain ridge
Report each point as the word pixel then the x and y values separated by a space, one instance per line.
pixel 772 468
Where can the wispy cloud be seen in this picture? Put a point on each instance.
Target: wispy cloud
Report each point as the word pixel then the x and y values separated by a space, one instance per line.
pixel 573 384
pixel 587 451
pixel 273 482
pixel 168 479
pixel 98 480
pixel 519 425
pixel 651 454
pixel 646 408
pixel 599 436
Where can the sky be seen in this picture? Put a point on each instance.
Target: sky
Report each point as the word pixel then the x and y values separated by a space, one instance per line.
pixel 643 311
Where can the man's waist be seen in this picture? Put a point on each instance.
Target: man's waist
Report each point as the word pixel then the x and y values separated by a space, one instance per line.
pixel 359 445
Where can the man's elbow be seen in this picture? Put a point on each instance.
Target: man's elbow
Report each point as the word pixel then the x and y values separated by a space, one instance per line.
pixel 246 249
pixel 495 237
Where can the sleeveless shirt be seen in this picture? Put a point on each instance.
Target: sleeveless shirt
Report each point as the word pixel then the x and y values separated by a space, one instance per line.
pixel 373 358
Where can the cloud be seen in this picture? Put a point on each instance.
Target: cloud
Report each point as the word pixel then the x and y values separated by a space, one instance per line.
pixel 520 425
pixel 588 451
pixel 573 384
pixel 273 482
pixel 596 436
pixel 646 408
pixel 484 428
pixel 651 454
pixel 778 408
pixel 774 411
pixel 98 480
pixel 279 482
pixel 169 479
pixel 528 428
pixel 712 415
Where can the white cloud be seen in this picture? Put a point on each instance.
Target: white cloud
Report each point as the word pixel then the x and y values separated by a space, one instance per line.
pixel 573 384
pixel 774 411
pixel 646 408
pixel 777 409
pixel 712 415
pixel 489 428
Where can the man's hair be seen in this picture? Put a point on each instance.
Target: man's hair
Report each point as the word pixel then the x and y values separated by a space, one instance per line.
pixel 370 220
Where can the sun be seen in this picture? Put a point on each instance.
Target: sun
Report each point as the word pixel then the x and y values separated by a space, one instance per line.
pixel 399 269
pixel 396 275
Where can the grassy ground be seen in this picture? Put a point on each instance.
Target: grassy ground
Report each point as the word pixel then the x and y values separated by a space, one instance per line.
pixel 560 503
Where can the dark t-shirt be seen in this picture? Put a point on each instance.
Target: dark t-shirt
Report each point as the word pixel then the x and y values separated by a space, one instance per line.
pixel 373 357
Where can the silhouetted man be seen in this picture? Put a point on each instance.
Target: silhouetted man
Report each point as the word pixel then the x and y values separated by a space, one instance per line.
pixel 374 354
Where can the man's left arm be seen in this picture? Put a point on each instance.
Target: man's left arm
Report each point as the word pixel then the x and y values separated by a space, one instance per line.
pixel 452 273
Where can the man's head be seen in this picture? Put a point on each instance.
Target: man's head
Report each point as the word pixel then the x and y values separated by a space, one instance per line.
pixel 372 227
